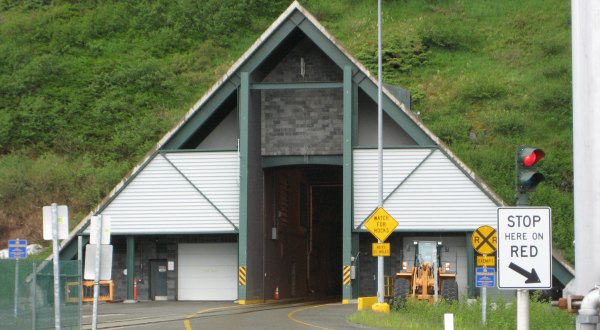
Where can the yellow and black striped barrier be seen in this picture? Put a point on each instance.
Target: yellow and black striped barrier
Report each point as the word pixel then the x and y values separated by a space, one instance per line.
pixel 242 276
pixel 346 275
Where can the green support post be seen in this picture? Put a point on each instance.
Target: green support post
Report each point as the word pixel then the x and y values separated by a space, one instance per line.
pixel 347 195
pixel 244 103
pixel 470 267
pixel 355 254
pixel 130 266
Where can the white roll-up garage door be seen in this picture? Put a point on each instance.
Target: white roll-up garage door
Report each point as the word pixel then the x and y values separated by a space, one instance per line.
pixel 207 271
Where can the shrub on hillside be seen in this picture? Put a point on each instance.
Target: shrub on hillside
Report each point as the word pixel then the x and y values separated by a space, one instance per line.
pixel 398 55
pixel 451 34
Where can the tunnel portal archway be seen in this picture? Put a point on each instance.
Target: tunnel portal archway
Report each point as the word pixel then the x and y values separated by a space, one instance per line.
pixel 303 231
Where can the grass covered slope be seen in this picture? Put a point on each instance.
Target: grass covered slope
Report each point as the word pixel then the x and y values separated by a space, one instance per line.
pixel 420 315
pixel 87 88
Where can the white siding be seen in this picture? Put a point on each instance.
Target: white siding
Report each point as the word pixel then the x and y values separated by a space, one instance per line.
pixel 160 199
pixel 438 196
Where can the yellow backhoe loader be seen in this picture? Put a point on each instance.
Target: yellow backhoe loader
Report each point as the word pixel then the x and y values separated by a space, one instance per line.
pixel 420 281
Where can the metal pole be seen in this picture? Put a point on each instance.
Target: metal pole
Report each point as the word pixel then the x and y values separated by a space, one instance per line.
pixel 484 297
pixel 79 248
pixel 55 261
pixel 33 298
pixel 131 268
pixel 380 285
pixel 97 272
pixel 435 276
pixel 484 301
pixel 79 268
pixel 522 309
pixel 585 28
pixel 484 304
pixel 17 287
pixel 522 294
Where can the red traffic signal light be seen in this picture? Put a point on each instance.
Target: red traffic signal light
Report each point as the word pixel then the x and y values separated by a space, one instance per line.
pixel 527 176
pixel 530 156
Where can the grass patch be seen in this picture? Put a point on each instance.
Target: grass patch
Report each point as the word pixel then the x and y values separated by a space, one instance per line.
pixel 500 315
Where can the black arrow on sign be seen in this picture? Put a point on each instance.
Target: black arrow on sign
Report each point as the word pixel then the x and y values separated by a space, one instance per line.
pixel 532 277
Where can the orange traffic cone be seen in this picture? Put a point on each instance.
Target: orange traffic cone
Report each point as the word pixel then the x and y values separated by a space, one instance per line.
pixel 276 296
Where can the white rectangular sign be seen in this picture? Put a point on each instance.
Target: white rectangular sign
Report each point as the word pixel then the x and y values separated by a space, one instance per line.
pixel 105 230
pixel 63 222
pixel 89 271
pixel 524 248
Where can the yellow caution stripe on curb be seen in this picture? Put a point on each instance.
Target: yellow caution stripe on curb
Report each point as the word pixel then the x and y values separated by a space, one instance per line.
pixel 346 275
pixel 242 276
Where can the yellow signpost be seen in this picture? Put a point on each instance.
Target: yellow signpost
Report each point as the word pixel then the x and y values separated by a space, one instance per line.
pixel 485 242
pixel 381 224
pixel 381 249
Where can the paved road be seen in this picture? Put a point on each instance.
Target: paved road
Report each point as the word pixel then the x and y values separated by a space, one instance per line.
pixel 163 315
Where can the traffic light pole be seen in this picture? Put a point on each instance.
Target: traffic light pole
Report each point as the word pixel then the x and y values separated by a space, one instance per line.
pixel 522 294
pixel 526 179
pixel 522 199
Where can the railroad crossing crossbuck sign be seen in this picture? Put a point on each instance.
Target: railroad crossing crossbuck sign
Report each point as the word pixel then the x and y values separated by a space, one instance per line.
pixel 484 240
pixel 524 248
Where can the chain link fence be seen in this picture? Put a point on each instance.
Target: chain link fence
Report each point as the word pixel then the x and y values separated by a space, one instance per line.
pixel 27 294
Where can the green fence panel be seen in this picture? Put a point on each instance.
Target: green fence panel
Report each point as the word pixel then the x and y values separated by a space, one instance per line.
pixel 27 294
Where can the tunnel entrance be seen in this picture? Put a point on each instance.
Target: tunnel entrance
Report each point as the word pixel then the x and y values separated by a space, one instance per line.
pixel 303 232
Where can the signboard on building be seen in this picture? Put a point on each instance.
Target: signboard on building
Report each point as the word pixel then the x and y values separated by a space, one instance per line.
pixel 524 248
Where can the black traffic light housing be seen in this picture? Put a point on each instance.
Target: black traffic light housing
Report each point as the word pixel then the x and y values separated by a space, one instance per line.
pixel 527 175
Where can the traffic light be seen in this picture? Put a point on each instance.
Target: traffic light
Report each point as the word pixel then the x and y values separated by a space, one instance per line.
pixel 527 175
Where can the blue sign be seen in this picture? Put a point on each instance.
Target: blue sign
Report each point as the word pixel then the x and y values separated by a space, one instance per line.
pixel 17 249
pixel 485 277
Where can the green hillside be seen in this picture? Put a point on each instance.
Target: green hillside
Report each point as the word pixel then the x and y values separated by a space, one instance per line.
pixel 88 87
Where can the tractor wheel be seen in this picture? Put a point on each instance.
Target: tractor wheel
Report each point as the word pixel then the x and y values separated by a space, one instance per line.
pixel 449 290
pixel 401 292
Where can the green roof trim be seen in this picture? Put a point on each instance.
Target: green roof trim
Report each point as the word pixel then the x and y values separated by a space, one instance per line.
pixel 400 93
pixel 399 117
pixel 562 274
pixel 197 120
pixel 69 252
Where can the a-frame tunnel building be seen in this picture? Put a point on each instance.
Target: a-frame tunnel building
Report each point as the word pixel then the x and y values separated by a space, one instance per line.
pixel 267 181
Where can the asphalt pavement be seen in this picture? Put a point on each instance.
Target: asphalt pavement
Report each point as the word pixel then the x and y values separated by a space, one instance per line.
pixel 167 315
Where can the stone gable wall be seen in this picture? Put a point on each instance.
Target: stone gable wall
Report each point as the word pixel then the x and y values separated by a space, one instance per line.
pixel 302 121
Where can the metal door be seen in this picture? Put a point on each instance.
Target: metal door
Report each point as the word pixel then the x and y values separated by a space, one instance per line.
pixel 158 279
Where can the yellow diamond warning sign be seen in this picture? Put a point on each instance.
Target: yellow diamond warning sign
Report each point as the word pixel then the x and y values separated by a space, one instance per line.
pixel 381 224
